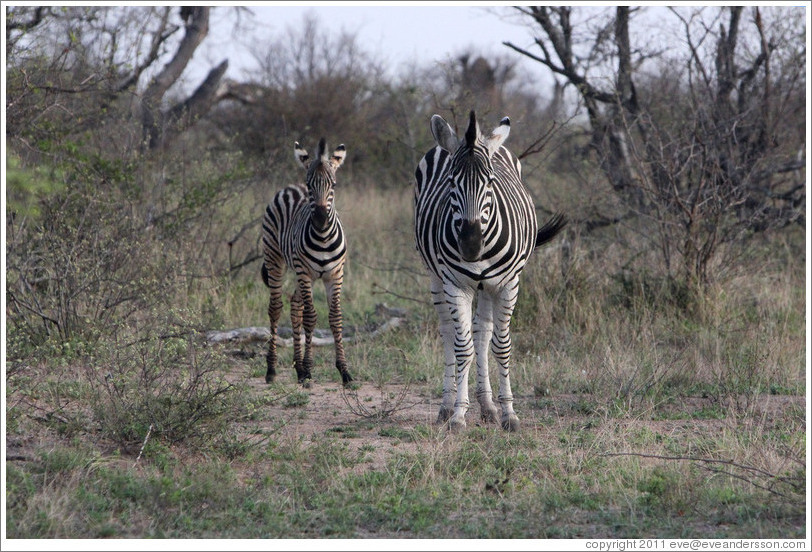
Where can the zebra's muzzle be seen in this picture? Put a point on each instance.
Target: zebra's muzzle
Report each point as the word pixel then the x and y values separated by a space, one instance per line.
pixel 470 241
pixel 320 217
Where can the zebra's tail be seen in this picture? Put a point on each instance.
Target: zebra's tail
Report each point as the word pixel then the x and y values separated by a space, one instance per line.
pixel 550 229
pixel 264 273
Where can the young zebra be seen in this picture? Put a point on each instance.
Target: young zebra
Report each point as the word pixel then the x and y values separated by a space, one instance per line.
pixel 475 228
pixel 301 231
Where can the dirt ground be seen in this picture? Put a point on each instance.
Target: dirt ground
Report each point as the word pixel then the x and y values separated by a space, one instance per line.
pixel 360 415
pixel 380 421
pixel 380 418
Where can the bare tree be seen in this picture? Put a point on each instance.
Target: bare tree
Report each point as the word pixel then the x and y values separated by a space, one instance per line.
pixel 101 56
pixel 712 159
pixel 311 83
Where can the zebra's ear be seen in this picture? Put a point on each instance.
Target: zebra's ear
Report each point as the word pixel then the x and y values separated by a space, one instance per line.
pixel 498 136
pixel 337 159
pixel 302 158
pixel 444 134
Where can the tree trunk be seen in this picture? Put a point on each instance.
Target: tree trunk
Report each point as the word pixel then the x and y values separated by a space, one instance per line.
pixel 160 126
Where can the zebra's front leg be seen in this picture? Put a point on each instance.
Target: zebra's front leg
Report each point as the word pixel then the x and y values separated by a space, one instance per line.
pixel 274 282
pixel 309 322
pixel 333 289
pixel 447 336
pixel 296 324
pixel 501 348
pixel 483 330
pixel 460 302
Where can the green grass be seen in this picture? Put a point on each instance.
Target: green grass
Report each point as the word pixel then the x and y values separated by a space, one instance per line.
pixel 480 484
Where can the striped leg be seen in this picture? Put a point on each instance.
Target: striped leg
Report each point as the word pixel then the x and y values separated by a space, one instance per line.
pixel 333 289
pixel 447 336
pixel 460 302
pixel 309 321
pixel 273 274
pixel 296 324
pixel 483 329
pixel 501 348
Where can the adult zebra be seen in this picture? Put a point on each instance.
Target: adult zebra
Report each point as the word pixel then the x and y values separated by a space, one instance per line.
pixel 475 228
pixel 301 231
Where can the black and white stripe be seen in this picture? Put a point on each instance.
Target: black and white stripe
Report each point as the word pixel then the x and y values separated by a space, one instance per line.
pixel 301 231
pixel 475 228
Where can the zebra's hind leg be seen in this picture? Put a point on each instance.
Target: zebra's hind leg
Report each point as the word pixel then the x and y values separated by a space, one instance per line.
pixel 296 324
pixel 483 330
pixel 333 289
pixel 273 279
pixel 501 348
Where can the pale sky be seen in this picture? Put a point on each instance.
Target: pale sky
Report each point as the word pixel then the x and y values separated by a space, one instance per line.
pixel 393 33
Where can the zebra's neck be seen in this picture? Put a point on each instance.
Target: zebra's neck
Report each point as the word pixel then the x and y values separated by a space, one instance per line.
pixel 330 227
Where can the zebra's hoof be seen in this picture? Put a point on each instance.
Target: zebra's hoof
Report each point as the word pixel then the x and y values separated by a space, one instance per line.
pixel 444 415
pixel 489 414
pixel 269 378
pixel 306 382
pixel 456 424
pixel 346 379
pixel 511 423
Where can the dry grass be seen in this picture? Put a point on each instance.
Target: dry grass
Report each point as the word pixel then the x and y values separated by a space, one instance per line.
pixel 639 419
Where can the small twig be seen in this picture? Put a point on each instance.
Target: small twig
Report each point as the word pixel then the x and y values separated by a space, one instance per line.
pixel 243 230
pixel 751 469
pixel 539 144
pixel 17 458
pixel 394 267
pixel 399 296
pixel 691 458
pixel 388 407
pixel 140 452
pixel 248 260
pixel 742 478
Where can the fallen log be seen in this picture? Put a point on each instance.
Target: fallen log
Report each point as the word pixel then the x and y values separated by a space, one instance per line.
pixel 321 337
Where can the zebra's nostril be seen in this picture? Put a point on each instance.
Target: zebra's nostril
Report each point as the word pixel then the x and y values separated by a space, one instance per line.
pixel 320 213
pixel 470 240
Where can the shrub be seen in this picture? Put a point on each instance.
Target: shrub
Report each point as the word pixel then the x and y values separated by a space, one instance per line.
pixel 159 380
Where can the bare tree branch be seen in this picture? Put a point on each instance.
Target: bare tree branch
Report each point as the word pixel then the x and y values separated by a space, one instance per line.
pixel 159 37
pixel 540 143
pixel 184 114
pixel 691 162
pixel 197 27
pixel 157 126
pixel 797 484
